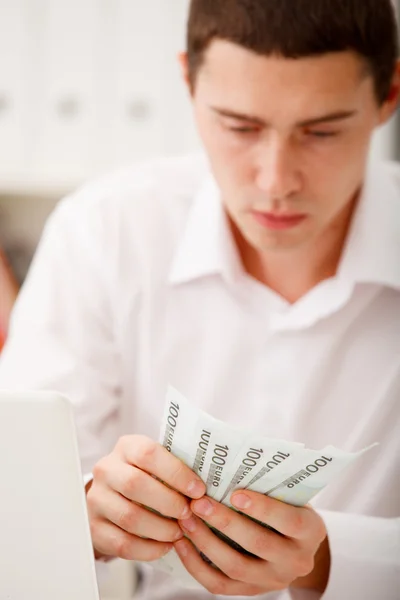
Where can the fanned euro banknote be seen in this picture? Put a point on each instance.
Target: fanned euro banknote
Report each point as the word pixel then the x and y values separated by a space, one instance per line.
pixel 229 458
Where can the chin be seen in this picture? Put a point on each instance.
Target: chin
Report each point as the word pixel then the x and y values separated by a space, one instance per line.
pixel 276 242
pixel 280 247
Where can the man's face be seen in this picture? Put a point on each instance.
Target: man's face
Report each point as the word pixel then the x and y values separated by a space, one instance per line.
pixel 287 140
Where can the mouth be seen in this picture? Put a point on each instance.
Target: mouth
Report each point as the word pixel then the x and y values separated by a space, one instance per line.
pixel 276 221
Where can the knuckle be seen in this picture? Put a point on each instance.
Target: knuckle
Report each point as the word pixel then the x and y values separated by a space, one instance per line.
pixel 300 564
pixel 169 507
pixel 315 524
pixel 176 505
pixel 298 523
pixel 123 548
pixel 92 501
pixel 236 571
pixel 132 483
pixel 217 588
pixel 278 581
pixel 263 544
pixel 280 585
pixel 178 471
pixel 145 449
pixel 305 565
pixel 170 533
pixel 100 469
pixel 95 527
pixel 123 442
pixel 320 531
pixel 158 553
pixel 224 522
pixel 127 519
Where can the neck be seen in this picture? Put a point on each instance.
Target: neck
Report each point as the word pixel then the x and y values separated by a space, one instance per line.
pixel 294 274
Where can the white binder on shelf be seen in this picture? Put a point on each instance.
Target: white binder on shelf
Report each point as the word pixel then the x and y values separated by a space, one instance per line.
pixel 66 136
pixel 13 90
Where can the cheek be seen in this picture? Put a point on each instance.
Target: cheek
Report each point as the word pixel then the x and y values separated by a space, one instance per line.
pixel 232 164
pixel 337 171
pixel 330 194
pixel 349 153
pixel 226 149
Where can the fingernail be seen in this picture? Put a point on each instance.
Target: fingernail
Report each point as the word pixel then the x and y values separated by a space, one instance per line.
pixel 203 507
pixel 188 524
pixel 241 501
pixel 186 513
pixel 178 536
pixel 168 549
pixel 181 548
pixel 196 489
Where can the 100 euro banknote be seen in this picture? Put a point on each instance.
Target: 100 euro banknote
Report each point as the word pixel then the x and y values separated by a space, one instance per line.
pixel 228 458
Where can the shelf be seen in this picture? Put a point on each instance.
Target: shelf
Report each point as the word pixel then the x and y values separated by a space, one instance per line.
pixel 38 189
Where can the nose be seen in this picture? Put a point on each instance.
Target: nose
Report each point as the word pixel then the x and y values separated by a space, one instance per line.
pixel 278 170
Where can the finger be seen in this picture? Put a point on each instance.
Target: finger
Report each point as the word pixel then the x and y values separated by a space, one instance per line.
pixel 213 580
pixel 109 540
pixel 302 524
pixel 233 564
pixel 138 486
pixel 136 520
pixel 251 536
pixel 156 460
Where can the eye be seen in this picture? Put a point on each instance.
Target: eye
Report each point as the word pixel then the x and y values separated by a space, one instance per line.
pixel 322 134
pixel 243 130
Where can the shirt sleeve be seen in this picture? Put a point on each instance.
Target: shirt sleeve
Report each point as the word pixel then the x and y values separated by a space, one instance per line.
pixel 61 334
pixel 365 557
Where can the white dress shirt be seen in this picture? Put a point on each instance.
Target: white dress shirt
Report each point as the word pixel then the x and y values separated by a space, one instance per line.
pixel 137 284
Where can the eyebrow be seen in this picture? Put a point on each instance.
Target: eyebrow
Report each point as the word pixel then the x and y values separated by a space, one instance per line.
pixel 328 118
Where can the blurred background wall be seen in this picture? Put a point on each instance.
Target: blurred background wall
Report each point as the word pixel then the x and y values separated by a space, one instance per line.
pixel 87 86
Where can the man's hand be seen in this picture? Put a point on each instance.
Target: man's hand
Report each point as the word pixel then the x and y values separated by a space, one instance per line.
pixel 299 557
pixel 123 488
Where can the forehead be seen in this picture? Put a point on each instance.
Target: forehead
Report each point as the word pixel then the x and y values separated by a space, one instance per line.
pixel 232 74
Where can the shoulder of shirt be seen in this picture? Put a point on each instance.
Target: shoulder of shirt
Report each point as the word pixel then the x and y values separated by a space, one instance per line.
pixel 130 187
pixel 132 218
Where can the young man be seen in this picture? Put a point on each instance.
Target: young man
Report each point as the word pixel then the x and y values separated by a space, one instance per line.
pixel 263 282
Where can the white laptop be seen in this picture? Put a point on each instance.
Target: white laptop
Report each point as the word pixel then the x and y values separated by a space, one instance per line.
pixel 45 545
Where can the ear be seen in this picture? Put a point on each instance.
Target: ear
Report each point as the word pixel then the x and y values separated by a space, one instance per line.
pixel 391 104
pixel 184 65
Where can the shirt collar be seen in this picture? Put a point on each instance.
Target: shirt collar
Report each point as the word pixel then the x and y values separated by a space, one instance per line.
pixel 371 254
pixel 372 251
pixel 207 246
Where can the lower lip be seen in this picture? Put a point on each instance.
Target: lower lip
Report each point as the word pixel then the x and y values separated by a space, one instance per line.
pixel 278 223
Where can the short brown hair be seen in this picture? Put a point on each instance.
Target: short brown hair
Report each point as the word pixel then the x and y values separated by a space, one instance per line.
pixel 299 28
